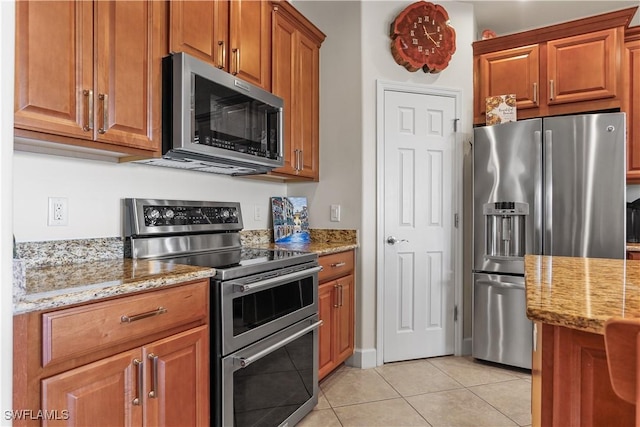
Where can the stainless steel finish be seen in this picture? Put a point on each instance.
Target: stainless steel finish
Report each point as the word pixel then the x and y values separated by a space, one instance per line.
pixel 135 225
pixel 501 331
pixel 104 98
pixel 548 193
pixel 535 92
pixel 229 290
pixel 264 284
pixel 505 231
pixel 140 389
pixel 507 168
pixel 552 90
pixel 243 362
pixel 153 393
pixel 391 240
pixel 128 319
pixel 587 216
pixel 89 109
pixel 230 366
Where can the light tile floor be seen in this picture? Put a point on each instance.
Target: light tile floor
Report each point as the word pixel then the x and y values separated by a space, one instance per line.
pixel 443 391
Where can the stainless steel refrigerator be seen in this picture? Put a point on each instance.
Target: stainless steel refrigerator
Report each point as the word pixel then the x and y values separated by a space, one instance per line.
pixel 552 186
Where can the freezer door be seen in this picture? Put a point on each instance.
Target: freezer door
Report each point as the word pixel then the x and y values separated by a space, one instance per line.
pixel 502 333
pixel 507 167
pixel 585 186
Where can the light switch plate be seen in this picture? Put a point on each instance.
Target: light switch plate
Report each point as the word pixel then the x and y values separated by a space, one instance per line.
pixel 335 213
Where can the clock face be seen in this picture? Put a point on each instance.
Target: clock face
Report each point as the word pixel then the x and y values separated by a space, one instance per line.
pixel 422 38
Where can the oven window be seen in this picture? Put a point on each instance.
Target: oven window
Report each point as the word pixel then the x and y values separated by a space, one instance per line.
pixel 269 390
pixel 231 120
pixel 254 310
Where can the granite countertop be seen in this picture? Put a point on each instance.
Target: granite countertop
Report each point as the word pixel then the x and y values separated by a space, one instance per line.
pixel 321 248
pixel 581 293
pixel 633 247
pixel 49 287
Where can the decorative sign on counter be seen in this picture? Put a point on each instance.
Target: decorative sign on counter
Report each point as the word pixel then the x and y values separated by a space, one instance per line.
pixel 501 109
pixel 290 220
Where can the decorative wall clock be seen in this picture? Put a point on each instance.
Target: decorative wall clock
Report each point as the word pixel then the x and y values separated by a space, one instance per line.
pixel 422 38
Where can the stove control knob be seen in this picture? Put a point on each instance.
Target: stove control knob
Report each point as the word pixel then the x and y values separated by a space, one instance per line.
pixel 168 214
pixel 224 213
pixel 152 213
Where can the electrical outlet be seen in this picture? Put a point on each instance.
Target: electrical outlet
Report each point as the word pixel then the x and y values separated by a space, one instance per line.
pixel 58 211
pixel 257 212
pixel 335 213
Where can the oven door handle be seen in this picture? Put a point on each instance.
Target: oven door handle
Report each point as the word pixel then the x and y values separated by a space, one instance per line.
pixel 243 362
pixel 241 287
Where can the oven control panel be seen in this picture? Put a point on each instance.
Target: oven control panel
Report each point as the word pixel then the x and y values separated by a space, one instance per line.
pixel 158 216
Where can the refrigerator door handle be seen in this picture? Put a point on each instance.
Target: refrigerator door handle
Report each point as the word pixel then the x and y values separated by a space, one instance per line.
pixel 537 213
pixel 548 195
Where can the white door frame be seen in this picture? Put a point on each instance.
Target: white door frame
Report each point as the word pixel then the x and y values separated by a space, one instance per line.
pixel 383 86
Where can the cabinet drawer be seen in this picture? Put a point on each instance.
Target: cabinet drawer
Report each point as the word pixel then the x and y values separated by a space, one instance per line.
pixel 335 265
pixel 81 330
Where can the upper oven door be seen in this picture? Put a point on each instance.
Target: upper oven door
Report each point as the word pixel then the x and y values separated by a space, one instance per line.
pixel 252 310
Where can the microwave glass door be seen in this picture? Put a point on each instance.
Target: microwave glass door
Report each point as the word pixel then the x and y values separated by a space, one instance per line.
pixel 225 118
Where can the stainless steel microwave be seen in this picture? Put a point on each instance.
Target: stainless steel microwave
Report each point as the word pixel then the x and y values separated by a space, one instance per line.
pixel 214 122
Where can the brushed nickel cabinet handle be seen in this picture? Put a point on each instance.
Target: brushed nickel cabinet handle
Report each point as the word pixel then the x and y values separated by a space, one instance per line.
pixel 338 264
pixel 222 54
pixel 236 61
pixel 128 319
pixel 153 393
pixel 88 96
pixel 301 160
pixel 535 93
pixel 552 94
pixel 105 112
pixel 336 297
pixel 140 366
pixel 341 295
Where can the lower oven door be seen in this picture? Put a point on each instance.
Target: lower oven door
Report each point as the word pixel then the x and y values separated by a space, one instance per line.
pixel 273 382
pixel 254 308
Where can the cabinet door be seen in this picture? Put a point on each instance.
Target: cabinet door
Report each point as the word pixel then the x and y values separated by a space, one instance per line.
pixel 583 67
pixel 250 41
pixel 54 65
pixel 631 105
pixel 306 106
pixel 283 83
pixel 201 29
pixel 344 319
pixel 98 394
pixel 129 59
pixel 326 302
pixel 497 71
pixel 177 380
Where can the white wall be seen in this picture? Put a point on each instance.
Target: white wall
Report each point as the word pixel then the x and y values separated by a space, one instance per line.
pixel 359 31
pixel 94 190
pixel 7 29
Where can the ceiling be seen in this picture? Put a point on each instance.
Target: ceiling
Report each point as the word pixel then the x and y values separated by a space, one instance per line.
pixel 512 16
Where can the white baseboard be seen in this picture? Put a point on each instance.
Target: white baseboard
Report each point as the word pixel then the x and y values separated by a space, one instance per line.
pixel 363 358
pixel 466 347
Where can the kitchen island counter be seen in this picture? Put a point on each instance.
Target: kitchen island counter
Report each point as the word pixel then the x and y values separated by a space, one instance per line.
pixel 581 293
pixel 321 248
pixel 47 287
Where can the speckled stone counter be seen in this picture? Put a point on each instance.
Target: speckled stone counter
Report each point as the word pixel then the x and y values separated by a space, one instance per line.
pixel 323 241
pixel 47 287
pixel 581 293
pixel 633 247
pixel 321 248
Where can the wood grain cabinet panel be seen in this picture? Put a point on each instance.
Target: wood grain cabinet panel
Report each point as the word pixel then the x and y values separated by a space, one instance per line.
pixel 92 76
pixel 631 104
pixel 336 309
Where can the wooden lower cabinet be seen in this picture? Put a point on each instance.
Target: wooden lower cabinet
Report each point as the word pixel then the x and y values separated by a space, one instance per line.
pixel 336 306
pixel 158 380
pixel 570 383
pixel 633 255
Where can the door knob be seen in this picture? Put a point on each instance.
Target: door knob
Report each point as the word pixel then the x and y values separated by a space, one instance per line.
pixel 392 240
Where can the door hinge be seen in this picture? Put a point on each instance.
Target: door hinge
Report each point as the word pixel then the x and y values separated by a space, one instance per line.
pixel 455 313
pixel 456 220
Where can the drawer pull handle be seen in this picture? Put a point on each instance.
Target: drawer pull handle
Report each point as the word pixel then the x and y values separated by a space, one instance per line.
pixel 338 264
pixel 139 365
pixel 156 312
pixel 153 393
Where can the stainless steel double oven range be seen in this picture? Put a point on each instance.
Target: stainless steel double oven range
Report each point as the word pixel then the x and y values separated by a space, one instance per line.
pixel 264 308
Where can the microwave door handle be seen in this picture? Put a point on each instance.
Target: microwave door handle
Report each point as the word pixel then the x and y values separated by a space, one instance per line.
pixel 241 287
pixel 243 362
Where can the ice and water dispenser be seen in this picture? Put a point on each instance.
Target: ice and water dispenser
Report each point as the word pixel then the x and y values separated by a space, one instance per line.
pixel 505 229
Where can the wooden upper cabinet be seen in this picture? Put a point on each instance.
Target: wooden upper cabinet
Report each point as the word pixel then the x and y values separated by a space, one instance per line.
pixel 296 79
pixel 583 67
pixel 65 91
pixel 497 71
pixel 232 35
pixel 631 103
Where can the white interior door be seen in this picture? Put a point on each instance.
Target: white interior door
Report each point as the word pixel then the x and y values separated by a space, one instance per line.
pixel 418 215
